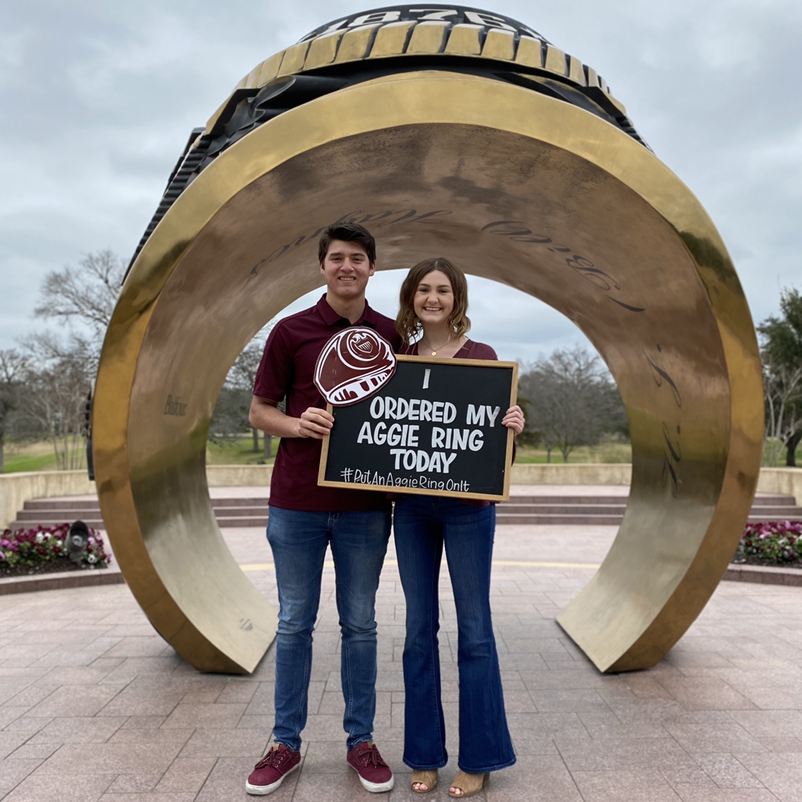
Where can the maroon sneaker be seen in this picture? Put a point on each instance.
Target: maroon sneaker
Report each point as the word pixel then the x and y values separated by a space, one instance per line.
pixel 374 774
pixel 270 771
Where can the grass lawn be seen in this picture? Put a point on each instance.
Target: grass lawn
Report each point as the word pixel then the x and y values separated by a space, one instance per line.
pixel 40 457
pixel 238 452
pixel 602 453
pixel 28 456
pixel 21 463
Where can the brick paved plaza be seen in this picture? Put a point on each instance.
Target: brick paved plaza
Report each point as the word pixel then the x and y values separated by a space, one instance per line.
pixel 95 706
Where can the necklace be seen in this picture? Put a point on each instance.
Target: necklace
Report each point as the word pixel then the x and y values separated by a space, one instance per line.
pixel 435 350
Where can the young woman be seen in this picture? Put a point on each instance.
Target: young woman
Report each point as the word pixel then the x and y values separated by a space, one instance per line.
pixel 432 321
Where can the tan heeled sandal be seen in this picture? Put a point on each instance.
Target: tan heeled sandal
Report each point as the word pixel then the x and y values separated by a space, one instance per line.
pixel 427 777
pixel 467 784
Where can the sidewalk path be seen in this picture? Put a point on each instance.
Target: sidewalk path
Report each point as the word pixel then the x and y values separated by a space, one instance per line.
pixel 95 706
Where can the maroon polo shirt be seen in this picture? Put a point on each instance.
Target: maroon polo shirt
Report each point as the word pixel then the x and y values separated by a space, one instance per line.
pixel 287 369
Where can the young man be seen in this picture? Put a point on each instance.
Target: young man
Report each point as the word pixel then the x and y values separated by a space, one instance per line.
pixel 305 519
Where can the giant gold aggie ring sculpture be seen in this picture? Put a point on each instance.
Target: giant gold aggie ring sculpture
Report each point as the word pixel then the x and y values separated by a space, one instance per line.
pixel 458 133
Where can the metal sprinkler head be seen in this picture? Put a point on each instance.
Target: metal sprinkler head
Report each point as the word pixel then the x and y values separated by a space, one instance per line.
pixel 76 541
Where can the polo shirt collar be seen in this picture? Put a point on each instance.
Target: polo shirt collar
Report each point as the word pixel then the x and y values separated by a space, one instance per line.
pixel 331 318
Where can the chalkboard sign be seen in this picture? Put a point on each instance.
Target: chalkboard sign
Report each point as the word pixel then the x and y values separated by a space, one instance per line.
pixel 434 428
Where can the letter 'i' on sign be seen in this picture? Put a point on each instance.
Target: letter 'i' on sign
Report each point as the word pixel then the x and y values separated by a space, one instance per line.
pixel 426 374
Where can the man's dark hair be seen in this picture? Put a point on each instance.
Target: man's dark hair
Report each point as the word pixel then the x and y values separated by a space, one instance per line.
pixel 347 232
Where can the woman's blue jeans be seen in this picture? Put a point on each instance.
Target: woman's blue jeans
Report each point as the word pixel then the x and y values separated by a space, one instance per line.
pixel 358 545
pixel 422 525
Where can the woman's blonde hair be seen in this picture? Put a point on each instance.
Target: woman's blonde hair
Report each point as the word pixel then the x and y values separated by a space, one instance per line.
pixel 407 324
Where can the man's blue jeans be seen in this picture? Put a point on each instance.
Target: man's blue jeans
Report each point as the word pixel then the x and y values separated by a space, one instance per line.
pixel 422 525
pixel 358 545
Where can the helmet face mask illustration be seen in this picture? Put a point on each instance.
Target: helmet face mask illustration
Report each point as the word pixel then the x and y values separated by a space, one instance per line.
pixel 353 365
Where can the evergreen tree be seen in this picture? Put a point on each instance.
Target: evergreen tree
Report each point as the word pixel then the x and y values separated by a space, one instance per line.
pixel 781 351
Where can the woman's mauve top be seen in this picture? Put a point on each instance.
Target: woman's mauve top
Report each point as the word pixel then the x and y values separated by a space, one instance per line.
pixel 471 350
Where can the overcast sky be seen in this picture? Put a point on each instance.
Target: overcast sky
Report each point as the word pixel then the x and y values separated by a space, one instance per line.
pixel 99 97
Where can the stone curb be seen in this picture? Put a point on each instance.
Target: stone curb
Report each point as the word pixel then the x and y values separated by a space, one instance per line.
pixel 764 574
pixel 61 581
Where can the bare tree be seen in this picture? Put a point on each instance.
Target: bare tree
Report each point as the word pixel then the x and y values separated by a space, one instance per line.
pixel 60 368
pixel 12 371
pixel 233 404
pixel 57 380
pixel 782 387
pixel 86 294
pixel 230 416
pixel 570 401
pixel 83 298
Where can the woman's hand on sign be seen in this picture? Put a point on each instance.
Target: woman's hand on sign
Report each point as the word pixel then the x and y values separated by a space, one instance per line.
pixel 315 423
pixel 514 419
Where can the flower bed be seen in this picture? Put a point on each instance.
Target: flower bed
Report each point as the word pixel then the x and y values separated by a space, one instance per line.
pixel 773 543
pixel 41 550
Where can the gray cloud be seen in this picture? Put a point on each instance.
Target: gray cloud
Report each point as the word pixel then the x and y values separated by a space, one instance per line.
pixel 100 98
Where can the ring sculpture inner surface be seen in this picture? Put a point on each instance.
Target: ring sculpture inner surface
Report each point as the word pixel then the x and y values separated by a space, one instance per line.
pixel 513 185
